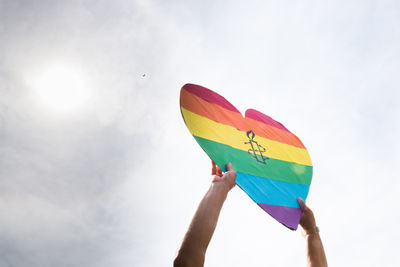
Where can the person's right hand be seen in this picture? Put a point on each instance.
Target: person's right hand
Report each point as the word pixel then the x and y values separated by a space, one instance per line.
pixel 307 220
pixel 228 178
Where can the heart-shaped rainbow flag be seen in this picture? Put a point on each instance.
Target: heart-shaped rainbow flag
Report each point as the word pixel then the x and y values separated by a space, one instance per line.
pixel 273 166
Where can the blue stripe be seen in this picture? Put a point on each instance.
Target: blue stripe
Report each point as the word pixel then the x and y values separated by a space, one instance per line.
pixel 272 192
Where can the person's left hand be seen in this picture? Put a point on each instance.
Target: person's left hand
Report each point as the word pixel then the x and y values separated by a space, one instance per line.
pixel 228 178
pixel 307 220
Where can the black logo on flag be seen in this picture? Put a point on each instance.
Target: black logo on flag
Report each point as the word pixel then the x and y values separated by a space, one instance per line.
pixel 256 150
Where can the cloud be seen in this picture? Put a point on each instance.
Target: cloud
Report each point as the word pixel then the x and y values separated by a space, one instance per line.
pixel 62 173
pixel 118 182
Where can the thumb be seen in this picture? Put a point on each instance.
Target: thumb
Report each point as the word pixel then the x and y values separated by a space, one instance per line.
pixel 229 167
pixel 302 204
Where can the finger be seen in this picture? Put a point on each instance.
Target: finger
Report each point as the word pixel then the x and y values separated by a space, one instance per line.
pixel 302 204
pixel 214 168
pixel 219 171
pixel 229 167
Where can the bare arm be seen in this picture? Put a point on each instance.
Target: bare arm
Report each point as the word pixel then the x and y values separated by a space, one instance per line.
pixel 201 229
pixel 315 250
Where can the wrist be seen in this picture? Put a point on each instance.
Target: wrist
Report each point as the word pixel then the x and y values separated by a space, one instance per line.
pixel 310 231
pixel 221 186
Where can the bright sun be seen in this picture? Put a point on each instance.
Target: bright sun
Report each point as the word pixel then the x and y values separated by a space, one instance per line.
pixel 62 89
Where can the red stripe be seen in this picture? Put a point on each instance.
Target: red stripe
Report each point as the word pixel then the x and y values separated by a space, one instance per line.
pixel 209 96
pixel 256 115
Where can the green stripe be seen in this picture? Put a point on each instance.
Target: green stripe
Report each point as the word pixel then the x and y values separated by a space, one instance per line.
pixel 243 162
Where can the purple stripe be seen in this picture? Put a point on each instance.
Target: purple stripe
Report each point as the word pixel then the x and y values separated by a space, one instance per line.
pixel 288 216
pixel 209 96
pixel 258 116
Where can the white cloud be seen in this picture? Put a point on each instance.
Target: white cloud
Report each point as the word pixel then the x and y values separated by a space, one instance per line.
pixel 117 183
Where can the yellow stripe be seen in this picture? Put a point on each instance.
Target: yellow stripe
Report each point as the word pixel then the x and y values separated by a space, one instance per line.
pixel 203 127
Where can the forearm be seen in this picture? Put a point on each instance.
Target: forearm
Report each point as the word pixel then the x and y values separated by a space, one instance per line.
pixel 201 229
pixel 315 251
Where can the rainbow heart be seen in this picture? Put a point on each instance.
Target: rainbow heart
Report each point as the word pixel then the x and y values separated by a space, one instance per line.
pixel 273 167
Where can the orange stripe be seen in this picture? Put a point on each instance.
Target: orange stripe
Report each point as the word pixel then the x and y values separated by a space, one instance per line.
pixel 216 113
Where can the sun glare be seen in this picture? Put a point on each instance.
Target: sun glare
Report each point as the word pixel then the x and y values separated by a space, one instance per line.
pixel 62 89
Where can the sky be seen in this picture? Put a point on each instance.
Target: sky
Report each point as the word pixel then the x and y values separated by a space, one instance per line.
pixel 97 167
